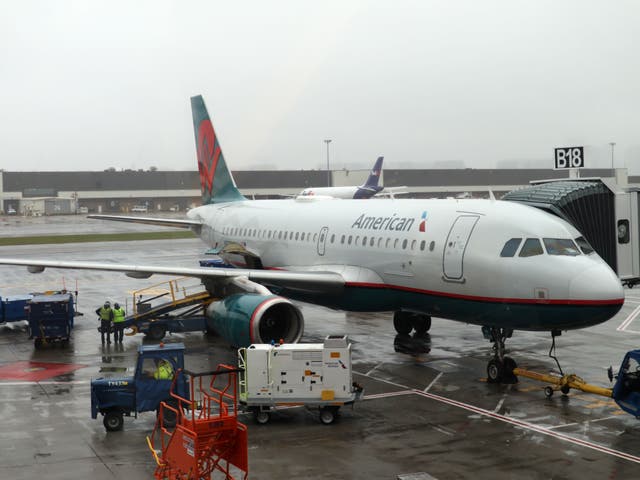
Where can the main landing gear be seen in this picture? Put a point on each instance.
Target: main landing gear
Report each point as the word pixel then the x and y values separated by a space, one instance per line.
pixel 499 368
pixel 405 322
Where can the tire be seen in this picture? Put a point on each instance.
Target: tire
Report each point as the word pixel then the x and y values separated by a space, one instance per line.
pixel 402 323
pixel 327 415
pixel 565 389
pixel 156 331
pixel 548 392
pixel 495 371
pixel 261 417
pixel 421 324
pixel 507 373
pixel 113 421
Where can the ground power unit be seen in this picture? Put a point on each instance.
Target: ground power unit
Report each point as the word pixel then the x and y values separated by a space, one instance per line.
pixel 315 375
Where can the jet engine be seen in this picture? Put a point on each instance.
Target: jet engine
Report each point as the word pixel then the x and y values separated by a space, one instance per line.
pixel 246 318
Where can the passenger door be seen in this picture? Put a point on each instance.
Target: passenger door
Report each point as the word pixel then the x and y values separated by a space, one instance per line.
pixel 322 240
pixel 455 246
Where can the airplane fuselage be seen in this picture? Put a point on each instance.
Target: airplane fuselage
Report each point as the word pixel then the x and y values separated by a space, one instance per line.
pixel 438 257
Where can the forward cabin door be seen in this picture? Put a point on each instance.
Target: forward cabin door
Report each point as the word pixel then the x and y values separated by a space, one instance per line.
pixel 457 240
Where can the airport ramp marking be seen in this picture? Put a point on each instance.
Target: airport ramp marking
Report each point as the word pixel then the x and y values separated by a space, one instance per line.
pixel 512 421
pixel 630 318
pixel 36 371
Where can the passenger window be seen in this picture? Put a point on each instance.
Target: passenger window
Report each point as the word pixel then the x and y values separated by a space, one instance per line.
pixel 511 247
pixel 379 242
pixel 531 248
pixel 315 236
pixel 395 243
pixel 297 235
pixel 432 245
pixel 413 245
pixel 372 241
pixel 422 245
pixel 342 239
pixel 280 235
pixel 584 245
pixel 333 237
pixel 404 244
pixel 561 246
pixel 350 237
pixel 386 245
pixel 302 237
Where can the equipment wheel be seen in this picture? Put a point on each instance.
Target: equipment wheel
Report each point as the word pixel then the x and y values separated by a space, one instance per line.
pixel 548 392
pixel 261 416
pixel 328 415
pixel 402 323
pixel 495 371
pixel 507 374
pixel 156 331
pixel 421 324
pixel 565 389
pixel 113 421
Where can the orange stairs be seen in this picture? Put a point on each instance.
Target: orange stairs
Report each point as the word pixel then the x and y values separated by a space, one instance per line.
pixel 207 437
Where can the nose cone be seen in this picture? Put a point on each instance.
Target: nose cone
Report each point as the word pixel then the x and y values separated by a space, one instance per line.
pixel 597 284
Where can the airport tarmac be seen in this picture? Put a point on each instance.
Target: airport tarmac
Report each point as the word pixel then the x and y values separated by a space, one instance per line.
pixel 427 407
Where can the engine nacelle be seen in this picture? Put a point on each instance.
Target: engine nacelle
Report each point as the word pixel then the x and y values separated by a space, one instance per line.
pixel 247 318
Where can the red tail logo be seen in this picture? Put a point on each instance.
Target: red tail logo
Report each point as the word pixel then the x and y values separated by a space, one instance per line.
pixel 208 155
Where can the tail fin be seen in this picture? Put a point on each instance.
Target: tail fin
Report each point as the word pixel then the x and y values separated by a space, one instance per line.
pixel 374 176
pixel 216 182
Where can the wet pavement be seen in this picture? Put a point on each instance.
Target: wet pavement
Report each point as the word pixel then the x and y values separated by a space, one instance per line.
pixel 427 406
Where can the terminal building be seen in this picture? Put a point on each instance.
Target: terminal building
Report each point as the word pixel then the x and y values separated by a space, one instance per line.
pixel 51 193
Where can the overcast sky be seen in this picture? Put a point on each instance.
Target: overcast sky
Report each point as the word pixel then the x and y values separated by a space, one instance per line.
pixel 88 85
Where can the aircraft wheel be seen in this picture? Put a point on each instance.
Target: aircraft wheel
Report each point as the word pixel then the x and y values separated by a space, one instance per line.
pixel 261 416
pixel 421 324
pixel 113 421
pixel 495 371
pixel 156 331
pixel 402 323
pixel 327 415
pixel 508 376
pixel 548 392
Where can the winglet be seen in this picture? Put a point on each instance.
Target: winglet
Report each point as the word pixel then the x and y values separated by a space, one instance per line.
pixel 216 182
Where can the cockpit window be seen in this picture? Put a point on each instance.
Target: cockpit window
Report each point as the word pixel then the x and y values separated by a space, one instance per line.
pixel 584 245
pixel 561 246
pixel 511 247
pixel 531 248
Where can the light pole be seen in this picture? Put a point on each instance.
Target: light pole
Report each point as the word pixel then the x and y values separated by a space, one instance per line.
pixel 328 141
pixel 613 144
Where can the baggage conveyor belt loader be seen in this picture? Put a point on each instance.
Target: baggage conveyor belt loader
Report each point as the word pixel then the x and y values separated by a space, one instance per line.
pixel 315 375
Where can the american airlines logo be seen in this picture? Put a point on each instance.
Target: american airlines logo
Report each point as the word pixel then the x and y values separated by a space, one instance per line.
pixel 394 222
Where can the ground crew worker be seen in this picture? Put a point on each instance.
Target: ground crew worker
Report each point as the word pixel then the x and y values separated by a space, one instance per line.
pixel 164 370
pixel 106 317
pixel 118 322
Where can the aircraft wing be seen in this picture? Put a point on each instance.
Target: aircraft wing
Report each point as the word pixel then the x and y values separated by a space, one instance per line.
pixel 162 222
pixel 321 281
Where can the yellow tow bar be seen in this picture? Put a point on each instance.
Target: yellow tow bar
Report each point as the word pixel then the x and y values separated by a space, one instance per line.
pixel 563 383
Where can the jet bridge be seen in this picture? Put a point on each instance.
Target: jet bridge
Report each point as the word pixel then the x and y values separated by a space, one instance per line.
pixel 604 210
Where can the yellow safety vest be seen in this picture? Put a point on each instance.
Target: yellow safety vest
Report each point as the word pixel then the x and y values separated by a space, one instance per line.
pixel 105 313
pixel 164 372
pixel 118 315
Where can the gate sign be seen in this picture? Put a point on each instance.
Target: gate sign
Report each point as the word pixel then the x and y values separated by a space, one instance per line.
pixel 570 157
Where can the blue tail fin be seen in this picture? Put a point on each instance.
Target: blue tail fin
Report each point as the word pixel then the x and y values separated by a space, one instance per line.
pixel 374 176
pixel 216 182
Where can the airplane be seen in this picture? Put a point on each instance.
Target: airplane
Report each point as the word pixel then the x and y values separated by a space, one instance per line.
pixel 501 265
pixel 367 190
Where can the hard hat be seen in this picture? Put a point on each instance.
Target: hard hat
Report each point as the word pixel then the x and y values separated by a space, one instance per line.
pixel 116 305
pixel 107 303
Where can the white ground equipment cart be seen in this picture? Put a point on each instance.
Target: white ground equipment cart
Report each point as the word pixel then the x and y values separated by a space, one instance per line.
pixel 314 375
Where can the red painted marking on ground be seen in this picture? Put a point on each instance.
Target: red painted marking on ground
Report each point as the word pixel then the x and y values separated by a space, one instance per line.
pixel 36 371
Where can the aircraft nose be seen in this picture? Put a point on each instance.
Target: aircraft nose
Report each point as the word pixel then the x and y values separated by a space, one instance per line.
pixel 597 283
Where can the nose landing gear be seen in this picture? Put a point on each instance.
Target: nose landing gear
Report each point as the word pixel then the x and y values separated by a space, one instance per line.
pixel 500 368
